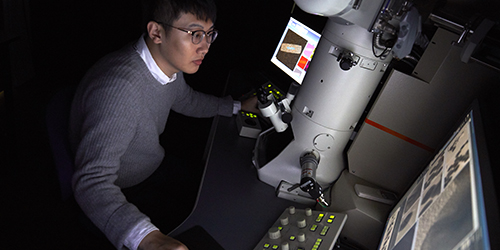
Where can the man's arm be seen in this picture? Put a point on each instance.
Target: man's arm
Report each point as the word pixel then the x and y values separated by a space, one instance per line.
pixel 197 104
pixel 105 124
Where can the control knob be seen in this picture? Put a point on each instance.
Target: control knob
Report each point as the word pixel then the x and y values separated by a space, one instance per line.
pixel 274 233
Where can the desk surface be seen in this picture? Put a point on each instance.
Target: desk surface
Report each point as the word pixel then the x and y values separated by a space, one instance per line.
pixel 233 205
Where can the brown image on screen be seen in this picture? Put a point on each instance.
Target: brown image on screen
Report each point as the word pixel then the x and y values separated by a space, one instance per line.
pixel 289 55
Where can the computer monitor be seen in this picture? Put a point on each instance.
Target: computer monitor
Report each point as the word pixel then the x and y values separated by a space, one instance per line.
pixel 452 204
pixel 296 49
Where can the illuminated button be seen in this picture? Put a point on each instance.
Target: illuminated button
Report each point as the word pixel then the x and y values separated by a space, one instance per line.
pixel 317 244
pixel 275 247
pixel 313 228
pixel 266 245
pixel 324 231
pixel 331 218
pixel 320 217
pixel 292 237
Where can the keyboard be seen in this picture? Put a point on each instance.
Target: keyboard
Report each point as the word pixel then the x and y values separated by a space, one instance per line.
pixel 303 229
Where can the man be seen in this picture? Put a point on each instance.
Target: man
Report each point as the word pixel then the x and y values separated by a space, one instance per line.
pixel 120 109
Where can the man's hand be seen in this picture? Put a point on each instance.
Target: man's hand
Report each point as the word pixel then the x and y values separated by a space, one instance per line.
pixel 158 241
pixel 250 105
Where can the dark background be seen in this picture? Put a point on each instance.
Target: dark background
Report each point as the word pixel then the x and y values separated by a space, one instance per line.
pixel 47 46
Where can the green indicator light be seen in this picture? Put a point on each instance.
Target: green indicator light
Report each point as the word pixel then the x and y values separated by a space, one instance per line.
pixel 318 242
pixel 320 217
pixel 324 231
pixel 313 227
pixel 275 246
pixel 292 238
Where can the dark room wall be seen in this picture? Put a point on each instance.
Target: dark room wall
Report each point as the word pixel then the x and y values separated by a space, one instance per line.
pixel 69 36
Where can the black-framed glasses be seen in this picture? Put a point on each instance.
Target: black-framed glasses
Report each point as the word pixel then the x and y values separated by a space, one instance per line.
pixel 197 35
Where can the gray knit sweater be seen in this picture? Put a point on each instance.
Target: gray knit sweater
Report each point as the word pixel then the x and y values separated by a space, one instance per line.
pixel 117 115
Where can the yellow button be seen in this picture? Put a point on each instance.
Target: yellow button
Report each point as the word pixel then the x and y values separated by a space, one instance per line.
pixel 320 217
pixel 324 231
pixel 318 242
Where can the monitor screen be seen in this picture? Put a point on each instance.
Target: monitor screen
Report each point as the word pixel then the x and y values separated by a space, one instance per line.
pixel 296 49
pixel 445 207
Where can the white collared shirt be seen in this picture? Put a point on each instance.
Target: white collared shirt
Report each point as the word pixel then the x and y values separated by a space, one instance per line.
pixel 143 50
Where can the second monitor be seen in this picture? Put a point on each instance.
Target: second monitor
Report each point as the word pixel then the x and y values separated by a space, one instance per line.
pixel 296 49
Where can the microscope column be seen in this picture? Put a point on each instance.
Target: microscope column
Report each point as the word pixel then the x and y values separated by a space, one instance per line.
pixel 337 88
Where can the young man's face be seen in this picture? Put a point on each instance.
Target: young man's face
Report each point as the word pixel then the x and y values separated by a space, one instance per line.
pixel 177 52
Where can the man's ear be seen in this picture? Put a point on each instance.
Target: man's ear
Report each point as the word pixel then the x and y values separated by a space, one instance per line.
pixel 154 32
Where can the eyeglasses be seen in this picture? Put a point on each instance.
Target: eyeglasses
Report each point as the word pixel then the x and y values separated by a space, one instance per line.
pixel 198 35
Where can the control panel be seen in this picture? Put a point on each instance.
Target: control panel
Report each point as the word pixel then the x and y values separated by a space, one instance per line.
pixel 248 124
pixel 303 229
pixel 270 89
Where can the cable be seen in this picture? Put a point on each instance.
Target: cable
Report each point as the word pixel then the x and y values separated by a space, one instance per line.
pixel 384 52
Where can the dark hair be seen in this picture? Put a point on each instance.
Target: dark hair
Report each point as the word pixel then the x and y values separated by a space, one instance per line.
pixel 168 11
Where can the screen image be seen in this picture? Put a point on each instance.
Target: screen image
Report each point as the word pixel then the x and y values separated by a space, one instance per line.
pixel 444 208
pixel 296 49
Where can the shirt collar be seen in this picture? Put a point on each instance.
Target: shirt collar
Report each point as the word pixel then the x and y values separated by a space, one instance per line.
pixel 143 50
